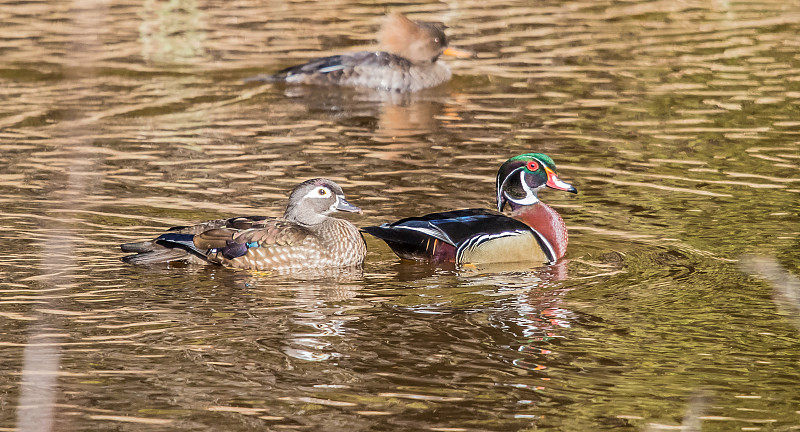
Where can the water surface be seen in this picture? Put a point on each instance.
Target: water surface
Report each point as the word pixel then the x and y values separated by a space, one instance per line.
pixel 675 308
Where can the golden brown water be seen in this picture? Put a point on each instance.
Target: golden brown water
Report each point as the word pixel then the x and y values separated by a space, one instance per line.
pixel 677 121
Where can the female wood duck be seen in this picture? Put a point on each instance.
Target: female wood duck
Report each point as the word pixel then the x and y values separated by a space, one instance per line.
pixel 408 62
pixel 306 237
pixel 534 232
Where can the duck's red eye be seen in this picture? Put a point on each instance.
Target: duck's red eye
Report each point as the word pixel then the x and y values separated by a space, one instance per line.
pixel 532 166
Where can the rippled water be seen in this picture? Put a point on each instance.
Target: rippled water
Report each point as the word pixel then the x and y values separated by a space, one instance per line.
pixel 676 308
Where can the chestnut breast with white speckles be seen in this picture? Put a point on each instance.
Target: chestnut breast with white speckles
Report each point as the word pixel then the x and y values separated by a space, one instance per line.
pixel 548 223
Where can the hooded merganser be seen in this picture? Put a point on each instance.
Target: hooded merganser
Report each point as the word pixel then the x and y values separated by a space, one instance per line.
pixel 407 62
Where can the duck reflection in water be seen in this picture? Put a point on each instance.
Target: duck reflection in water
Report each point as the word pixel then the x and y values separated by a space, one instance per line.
pixel 406 271
pixel 399 86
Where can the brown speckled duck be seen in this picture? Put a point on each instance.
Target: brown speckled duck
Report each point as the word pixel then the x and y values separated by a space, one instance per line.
pixel 407 62
pixel 306 237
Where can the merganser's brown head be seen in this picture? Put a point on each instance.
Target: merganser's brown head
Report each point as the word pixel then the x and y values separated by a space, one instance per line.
pixel 417 41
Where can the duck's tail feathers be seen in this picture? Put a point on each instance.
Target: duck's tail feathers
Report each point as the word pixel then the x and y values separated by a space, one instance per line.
pixel 166 248
pixel 266 78
pixel 157 256
pixel 413 245
pixel 138 247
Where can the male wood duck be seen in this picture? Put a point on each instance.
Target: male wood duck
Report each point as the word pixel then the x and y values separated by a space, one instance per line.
pixel 534 232
pixel 306 237
pixel 408 61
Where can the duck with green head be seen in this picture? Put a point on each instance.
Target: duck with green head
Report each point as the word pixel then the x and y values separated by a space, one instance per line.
pixel 532 232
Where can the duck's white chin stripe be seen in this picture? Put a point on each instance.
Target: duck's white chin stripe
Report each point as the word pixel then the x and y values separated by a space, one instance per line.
pixel 333 206
pixel 530 194
pixel 528 200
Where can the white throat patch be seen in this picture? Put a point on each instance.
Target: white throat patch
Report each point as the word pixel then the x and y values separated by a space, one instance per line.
pixel 530 194
pixel 335 204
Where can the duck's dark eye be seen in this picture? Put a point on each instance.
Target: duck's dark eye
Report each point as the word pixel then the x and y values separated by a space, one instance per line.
pixel 532 166
pixel 436 40
pixel 322 191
